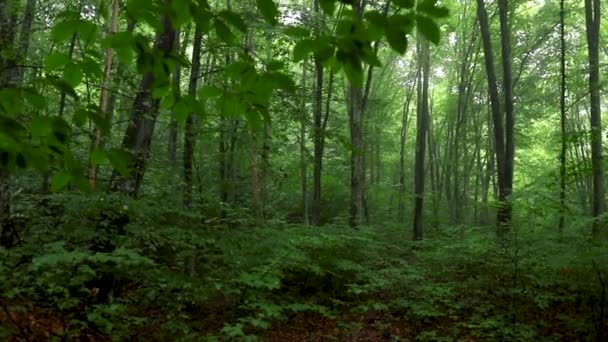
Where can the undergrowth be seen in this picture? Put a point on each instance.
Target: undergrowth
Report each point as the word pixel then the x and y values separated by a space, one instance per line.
pixel 110 268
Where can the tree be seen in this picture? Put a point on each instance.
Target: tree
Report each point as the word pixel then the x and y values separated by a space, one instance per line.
pixel 104 99
pixel 505 209
pixel 592 20
pixel 562 102
pixel 500 144
pixel 422 122
pixel 138 136
pixel 190 128
pixel 317 123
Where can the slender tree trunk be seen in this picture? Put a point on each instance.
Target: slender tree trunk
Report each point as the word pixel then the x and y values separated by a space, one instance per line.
pixel 562 156
pixel 405 121
pixel 592 20
pixel 24 39
pixel 497 120
pixel 190 127
pixel 319 135
pixel 7 14
pixel 303 154
pixel 422 122
pixel 173 127
pixel 138 136
pixel 505 209
pixel 104 99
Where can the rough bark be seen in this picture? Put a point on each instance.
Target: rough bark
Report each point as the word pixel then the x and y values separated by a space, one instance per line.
pixel 422 122
pixel 173 126
pixel 592 20
pixel 497 118
pixel 319 134
pixel 190 127
pixel 405 121
pixel 138 136
pixel 303 154
pixel 505 208
pixel 6 51
pixel 104 99
pixel 562 102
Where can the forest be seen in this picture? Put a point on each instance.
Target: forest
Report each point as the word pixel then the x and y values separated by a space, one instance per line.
pixel 303 170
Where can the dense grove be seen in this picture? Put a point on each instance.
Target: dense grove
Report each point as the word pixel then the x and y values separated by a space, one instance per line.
pixel 303 170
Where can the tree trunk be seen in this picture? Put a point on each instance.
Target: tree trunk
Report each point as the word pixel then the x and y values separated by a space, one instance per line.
pixel 190 127
pixel 138 136
pixel 405 121
pixel 497 120
pixel 422 121
pixel 177 80
pixel 592 20
pixel 104 99
pixel 505 209
pixel 562 156
pixel 319 134
pixel 6 49
pixel 303 154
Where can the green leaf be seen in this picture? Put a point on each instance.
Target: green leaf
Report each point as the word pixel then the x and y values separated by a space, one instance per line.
pixel 405 22
pixel 62 86
pixel 60 180
pixel 120 160
pixel 430 8
pixel 397 39
pixel 269 11
pixel 99 157
pixel 80 117
pixel 404 3
pixel 296 32
pixel 234 19
pixel 275 65
pixel 181 111
pixel 72 74
pixel 62 31
pixel 283 81
pixel 302 49
pixel 428 28
pixel 223 32
pixel 210 91
pixel 40 126
pixel 328 6
pixel 55 61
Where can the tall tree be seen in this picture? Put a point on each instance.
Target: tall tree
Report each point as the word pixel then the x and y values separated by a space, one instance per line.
pixel 505 209
pixel 562 102
pixel 7 33
pixel 592 21
pixel 138 136
pixel 104 98
pixel 504 187
pixel 319 134
pixel 190 127
pixel 422 122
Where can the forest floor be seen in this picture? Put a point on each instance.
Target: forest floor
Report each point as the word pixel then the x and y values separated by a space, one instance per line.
pixel 185 281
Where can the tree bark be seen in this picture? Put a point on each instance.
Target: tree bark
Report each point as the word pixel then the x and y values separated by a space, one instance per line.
pixel 422 122
pixel 190 127
pixel 592 20
pixel 497 120
pixel 505 209
pixel 104 99
pixel 319 134
pixel 405 121
pixel 564 146
pixel 303 154
pixel 138 136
